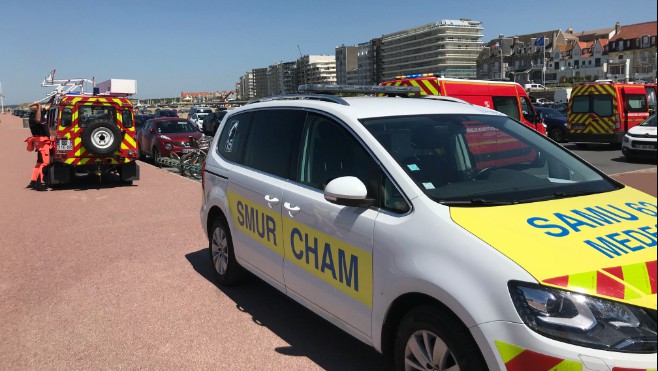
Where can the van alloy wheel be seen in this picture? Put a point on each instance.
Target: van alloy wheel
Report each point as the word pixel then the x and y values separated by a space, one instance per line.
pixel 228 271
pixel 219 250
pixel 426 351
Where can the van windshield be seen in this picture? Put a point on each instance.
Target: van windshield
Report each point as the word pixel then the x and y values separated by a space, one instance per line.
pixel 482 160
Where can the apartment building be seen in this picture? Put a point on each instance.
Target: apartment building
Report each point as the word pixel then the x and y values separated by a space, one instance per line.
pixel 621 53
pixel 316 69
pixel 346 64
pixel 631 53
pixel 246 88
pixel 281 78
pixel 447 47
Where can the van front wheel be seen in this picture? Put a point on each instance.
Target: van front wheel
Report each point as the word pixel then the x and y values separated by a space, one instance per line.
pixel 428 338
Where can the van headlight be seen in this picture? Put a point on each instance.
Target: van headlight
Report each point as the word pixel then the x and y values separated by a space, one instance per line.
pixel 584 320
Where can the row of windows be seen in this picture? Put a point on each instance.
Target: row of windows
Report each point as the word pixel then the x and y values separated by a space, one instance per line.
pixel 305 147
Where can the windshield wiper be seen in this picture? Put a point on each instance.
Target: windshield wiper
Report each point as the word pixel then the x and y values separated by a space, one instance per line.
pixel 476 202
pixel 556 196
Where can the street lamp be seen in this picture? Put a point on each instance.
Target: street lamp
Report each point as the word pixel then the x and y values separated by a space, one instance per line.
pixel 502 71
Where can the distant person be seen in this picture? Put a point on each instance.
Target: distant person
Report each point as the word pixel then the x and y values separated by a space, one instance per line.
pixel 41 142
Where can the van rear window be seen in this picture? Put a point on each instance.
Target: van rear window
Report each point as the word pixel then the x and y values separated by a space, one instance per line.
pixel 600 105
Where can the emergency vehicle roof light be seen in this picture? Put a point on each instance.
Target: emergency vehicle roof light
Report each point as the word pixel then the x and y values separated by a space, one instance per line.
pixel 418 75
pixel 358 89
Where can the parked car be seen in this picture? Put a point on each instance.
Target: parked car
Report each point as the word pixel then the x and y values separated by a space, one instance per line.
pixel 561 107
pixel 543 101
pixel 140 120
pixel 555 121
pixel 160 136
pixel 166 113
pixel 640 140
pixel 199 109
pixel 212 121
pixel 22 113
pixel 196 119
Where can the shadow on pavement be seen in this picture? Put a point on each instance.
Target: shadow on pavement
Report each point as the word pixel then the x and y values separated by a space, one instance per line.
pixel 308 335
pixel 86 182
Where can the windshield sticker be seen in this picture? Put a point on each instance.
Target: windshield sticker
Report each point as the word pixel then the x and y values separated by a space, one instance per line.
pixel 428 185
pixel 413 167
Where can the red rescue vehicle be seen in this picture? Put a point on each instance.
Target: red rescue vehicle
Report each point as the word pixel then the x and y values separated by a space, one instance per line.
pixel 94 132
pixel 504 96
pixel 602 112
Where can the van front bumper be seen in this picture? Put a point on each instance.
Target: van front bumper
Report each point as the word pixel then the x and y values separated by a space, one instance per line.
pixel 515 347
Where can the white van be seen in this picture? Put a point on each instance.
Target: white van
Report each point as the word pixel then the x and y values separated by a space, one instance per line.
pixel 534 87
pixel 562 95
pixel 387 217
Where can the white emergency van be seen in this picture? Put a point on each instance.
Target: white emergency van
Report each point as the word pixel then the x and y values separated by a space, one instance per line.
pixel 445 234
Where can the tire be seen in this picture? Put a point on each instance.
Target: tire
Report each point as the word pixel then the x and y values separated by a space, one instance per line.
pixel 156 156
pixel 141 154
pixel 429 327
pixel 557 134
pixel 227 270
pixel 102 138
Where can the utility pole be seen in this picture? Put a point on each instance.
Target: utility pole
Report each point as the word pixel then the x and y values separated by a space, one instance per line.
pixel 543 67
pixel 2 100
pixel 502 69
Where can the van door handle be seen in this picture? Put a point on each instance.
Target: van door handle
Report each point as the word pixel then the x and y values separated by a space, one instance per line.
pixel 271 200
pixel 292 210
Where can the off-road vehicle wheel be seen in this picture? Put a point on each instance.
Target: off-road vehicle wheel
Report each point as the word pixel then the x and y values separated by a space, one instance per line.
pixel 101 138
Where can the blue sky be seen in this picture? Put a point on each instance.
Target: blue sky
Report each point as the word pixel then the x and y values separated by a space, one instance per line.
pixel 193 45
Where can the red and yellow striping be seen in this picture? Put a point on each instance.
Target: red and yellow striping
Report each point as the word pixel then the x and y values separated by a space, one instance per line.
pixel 595 124
pixel 427 86
pixel 626 282
pixel 520 359
pixel 80 156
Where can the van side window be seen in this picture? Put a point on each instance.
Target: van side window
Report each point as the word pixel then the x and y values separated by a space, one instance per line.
pixel 507 105
pixel 127 118
pixel 636 103
pixel 67 117
pixel 230 144
pixel 273 140
pixel 329 152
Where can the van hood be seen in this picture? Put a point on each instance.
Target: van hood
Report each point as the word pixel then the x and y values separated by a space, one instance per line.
pixel 643 130
pixel 602 245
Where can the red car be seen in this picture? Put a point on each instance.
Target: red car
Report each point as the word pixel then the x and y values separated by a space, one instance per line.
pixel 161 136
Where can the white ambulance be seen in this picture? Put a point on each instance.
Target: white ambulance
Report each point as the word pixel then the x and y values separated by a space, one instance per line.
pixel 445 234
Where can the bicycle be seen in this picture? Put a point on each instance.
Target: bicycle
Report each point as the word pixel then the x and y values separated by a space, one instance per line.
pixel 190 163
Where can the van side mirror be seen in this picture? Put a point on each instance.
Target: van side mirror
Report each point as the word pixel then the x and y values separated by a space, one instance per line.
pixel 348 191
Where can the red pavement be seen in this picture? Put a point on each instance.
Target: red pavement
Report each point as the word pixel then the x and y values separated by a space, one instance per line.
pixel 110 277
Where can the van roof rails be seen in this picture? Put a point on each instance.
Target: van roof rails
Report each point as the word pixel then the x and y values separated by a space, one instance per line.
pixel 359 89
pixel 320 97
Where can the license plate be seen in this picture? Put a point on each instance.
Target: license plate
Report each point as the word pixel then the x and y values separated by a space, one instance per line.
pixel 64 145
pixel 189 150
pixel 578 127
pixel 648 147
